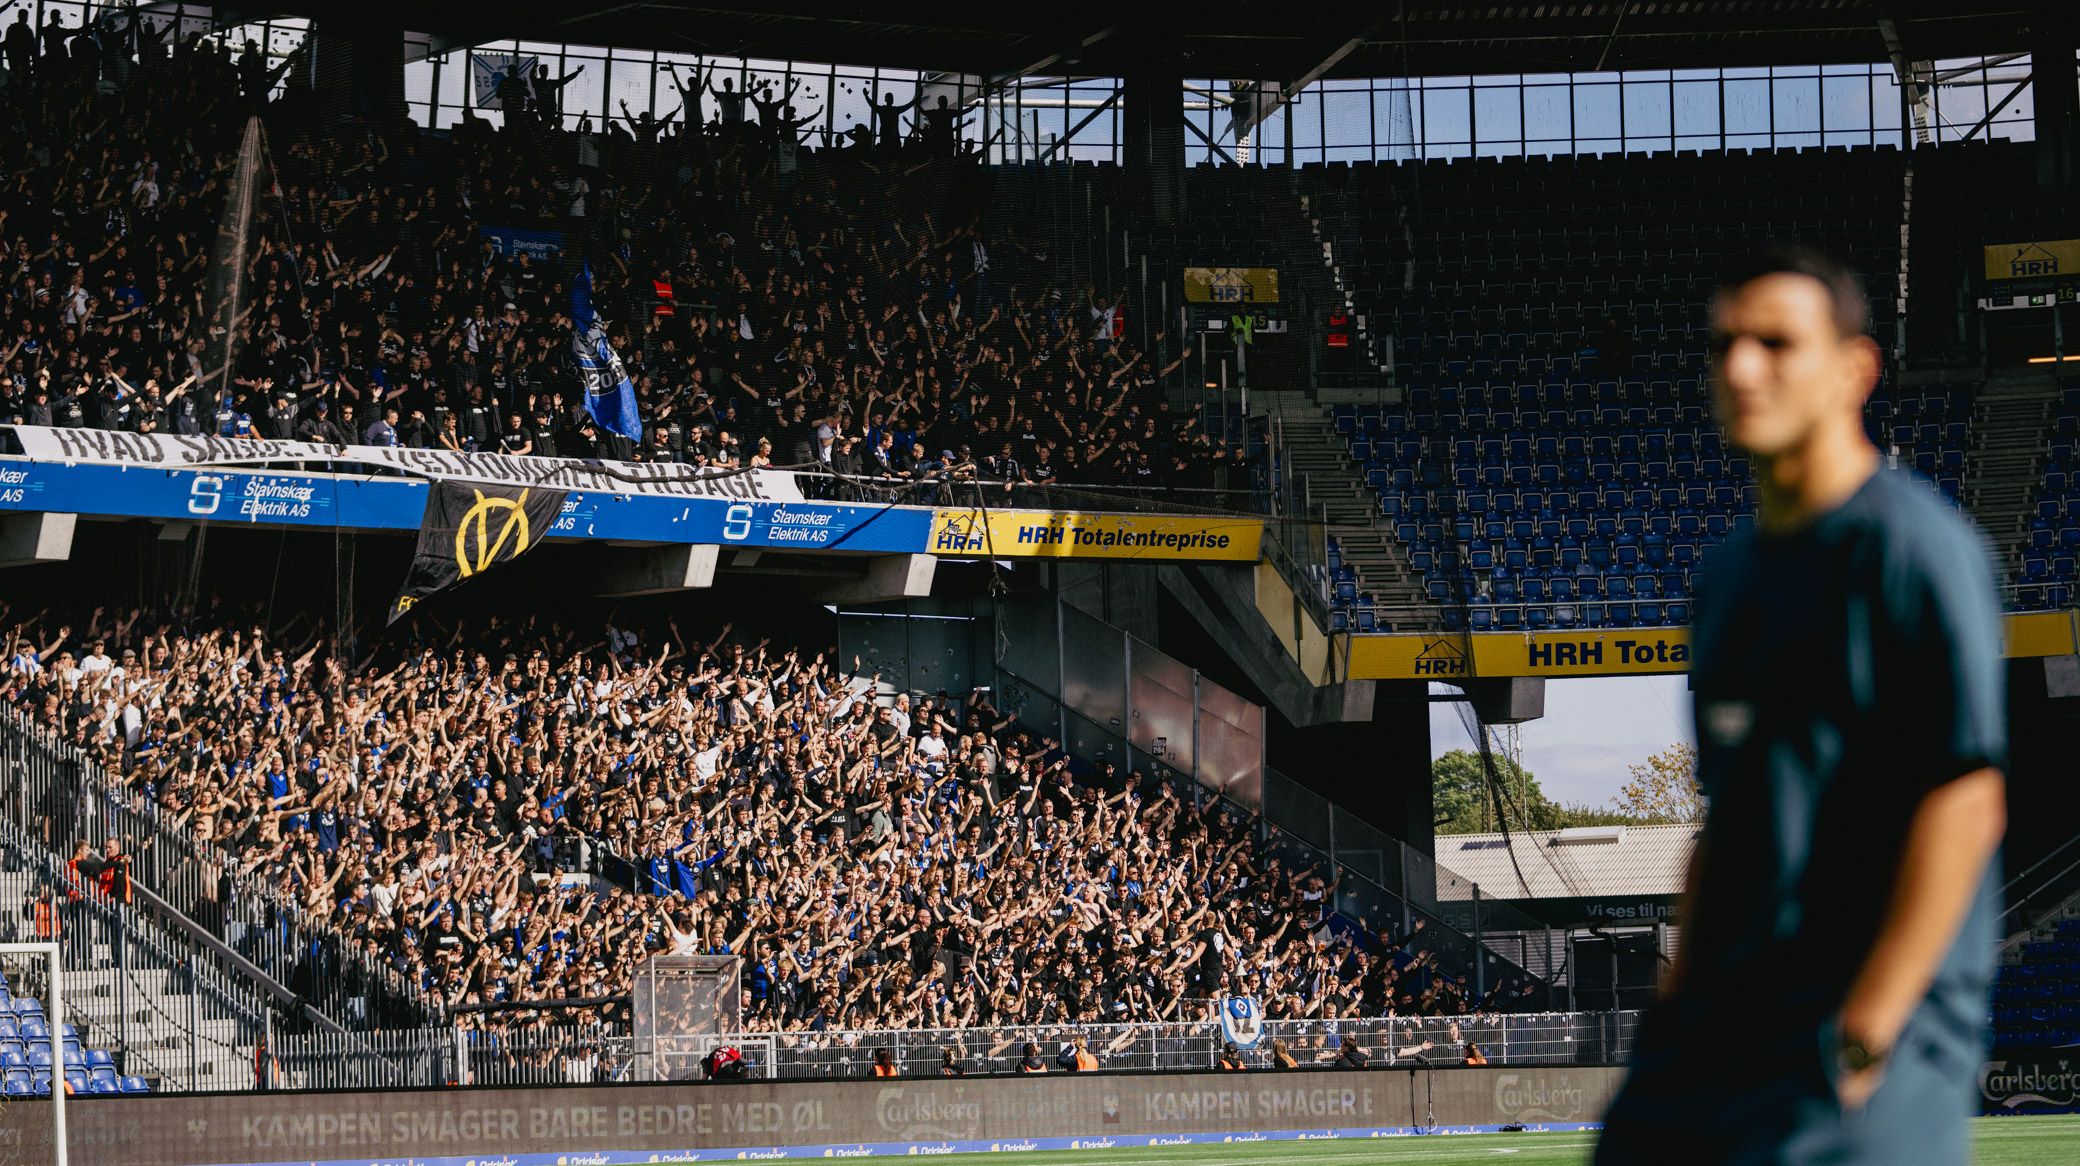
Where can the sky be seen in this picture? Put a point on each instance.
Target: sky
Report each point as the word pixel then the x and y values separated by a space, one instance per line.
pixel 1594 728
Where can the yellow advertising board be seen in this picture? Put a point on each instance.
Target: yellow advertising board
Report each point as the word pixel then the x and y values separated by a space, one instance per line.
pixel 1586 653
pixel 1041 534
pixel 1628 652
pixel 1231 285
pixel 2035 260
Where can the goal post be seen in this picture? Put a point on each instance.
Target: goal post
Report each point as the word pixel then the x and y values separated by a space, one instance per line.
pixel 54 1019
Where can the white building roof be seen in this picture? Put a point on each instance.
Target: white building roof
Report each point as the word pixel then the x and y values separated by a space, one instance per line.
pixel 1584 862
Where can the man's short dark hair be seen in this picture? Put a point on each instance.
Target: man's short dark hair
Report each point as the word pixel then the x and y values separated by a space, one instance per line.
pixel 1852 311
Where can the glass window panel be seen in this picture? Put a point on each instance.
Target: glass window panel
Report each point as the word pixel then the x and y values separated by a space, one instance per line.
pixel 1646 114
pixel 628 87
pixel 454 78
pixel 1595 111
pixel 418 82
pixel 1498 118
pixel 1272 140
pixel 1747 108
pixel 2018 122
pixel 1548 114
pixel 1304 123
pixel 1797 104
pixel 1445 119
pixel 585 96
pixel 1094 142
pixel 1696 110
pixel 1393 120
pixel 1347 117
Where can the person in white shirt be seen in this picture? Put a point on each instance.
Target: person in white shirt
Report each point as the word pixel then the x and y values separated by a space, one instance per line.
pixel 96 659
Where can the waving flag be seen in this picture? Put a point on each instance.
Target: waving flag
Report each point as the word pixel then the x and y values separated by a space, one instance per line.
pixel 610 397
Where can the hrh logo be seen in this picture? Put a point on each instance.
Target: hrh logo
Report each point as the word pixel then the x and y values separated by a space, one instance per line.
pixel 1441 658
pixel 494 529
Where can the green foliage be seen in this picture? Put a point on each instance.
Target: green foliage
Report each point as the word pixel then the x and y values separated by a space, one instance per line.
pixel 1662 790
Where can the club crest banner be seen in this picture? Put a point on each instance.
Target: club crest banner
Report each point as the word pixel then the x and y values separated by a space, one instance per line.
pixel 1242 1022
pixel 468 529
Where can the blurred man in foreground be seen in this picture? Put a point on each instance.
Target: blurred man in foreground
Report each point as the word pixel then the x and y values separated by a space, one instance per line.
pixel 1830 997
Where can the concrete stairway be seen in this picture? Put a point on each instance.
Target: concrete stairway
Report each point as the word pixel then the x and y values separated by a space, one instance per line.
pixel 1318 455
pixel 2002 469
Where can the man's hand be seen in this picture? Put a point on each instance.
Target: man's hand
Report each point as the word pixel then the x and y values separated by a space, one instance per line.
pixel 1854 1090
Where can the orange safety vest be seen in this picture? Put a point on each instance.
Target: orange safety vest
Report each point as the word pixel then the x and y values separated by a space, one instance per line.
pixel 46 919
pixel 115 877
pixel 884 1070
pixel 1085 1062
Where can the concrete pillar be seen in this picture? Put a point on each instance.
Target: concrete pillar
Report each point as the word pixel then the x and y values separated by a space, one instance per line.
pixel 626 571
pixel 1154 126
pixel 29 538
pixel 2055 90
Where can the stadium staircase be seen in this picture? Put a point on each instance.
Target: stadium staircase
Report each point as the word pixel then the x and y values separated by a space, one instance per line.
pixel 1330 480
pixel 164 1009
pixel 2013 414
pixel 1331 289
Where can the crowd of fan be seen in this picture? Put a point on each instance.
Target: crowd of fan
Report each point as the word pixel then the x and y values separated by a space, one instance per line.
pixel 923 861
pixel 847 307
pixel 919 861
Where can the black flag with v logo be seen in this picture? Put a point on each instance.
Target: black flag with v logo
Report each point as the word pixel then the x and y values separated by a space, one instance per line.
pixel 469 528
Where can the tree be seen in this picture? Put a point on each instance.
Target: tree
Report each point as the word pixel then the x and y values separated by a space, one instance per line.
pixel 1465 805
pixel 1663 788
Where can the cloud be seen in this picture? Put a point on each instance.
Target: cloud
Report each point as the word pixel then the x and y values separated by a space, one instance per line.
pixel 1581 772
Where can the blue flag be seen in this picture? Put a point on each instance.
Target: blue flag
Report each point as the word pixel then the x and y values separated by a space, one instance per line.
pixel 610 397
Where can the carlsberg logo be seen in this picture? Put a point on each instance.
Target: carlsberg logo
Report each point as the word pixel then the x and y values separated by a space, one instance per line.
pixel 2030 1084
pixel 1538 1098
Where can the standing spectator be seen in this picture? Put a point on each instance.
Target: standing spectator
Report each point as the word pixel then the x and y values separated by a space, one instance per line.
pixel 1869 861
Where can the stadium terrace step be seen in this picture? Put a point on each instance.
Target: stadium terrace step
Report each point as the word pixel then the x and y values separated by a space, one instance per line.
pixel 1316 451
pixel 2011 419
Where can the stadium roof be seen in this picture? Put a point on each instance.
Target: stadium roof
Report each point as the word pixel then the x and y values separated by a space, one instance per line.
pixel 1226 39
pixel 1594 862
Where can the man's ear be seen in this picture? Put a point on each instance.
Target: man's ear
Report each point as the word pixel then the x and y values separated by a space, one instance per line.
pixel 1868 365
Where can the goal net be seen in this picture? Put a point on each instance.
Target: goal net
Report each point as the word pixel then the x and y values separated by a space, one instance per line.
pixel 682 1004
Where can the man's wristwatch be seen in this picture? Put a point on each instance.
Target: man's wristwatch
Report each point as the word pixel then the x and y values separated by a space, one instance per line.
pixel 1854 1055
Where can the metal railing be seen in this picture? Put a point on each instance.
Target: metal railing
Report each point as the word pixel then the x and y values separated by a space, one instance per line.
pixel 576 1053
pixel 134 987
pixel 58 796
pixel 1384 881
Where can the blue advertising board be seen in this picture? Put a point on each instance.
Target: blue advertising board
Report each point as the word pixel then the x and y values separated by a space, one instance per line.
pixel 380 503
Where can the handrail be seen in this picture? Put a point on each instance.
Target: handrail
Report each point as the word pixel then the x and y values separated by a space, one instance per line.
pixel 2033 867
pixel 245 967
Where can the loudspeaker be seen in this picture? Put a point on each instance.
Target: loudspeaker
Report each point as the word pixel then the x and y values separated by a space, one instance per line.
pixel 1508 701
pixel 2061 676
